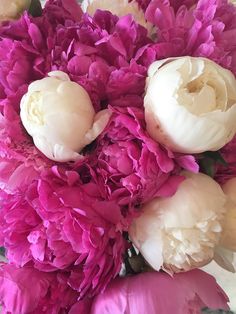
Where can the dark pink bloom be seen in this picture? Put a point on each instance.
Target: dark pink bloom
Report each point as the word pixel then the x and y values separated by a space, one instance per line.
pixel 20 161
pixel 27 290
pixel 155 292
pixel 131 166
pixel 81 307
pixel 226 172
pixel 59 11
pixel 25 47
pixel 58 223
pixel 205 29
pixel 103 55
pixel 23 55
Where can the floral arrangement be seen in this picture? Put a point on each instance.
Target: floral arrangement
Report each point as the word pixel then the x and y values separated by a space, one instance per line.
pixel 117 155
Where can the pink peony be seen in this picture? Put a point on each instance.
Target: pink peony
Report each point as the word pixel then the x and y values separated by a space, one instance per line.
pixel 81 307
pixel 228 171
pixel 60 11
pixel 58 223
pixel 132 167
pixel 25 52
pixel 155 292
pixel 23 56
pixel 27 290
pixel 205 29
pixel 25 47
pixel 104 55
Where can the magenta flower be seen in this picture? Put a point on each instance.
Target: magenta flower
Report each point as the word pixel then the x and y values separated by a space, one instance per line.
pixel 25 47
pixel 58 223
pixel 23 59
pixel 228 171
pixel 131 166
pixel 106 56
pixel 25 52
pixel 155 292
pixel 27 290
pixel 60 11
pixel 204 29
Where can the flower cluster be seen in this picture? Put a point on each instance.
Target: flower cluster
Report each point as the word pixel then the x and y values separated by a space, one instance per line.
pixel 104 111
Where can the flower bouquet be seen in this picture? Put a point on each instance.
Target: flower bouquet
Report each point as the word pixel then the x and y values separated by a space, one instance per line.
pixel 117 155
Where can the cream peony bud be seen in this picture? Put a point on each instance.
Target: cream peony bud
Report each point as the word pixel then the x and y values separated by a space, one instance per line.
pixel 117 7
pixel 59 115
pixel 11 9
pixel 190 104
pixel 228 238
pixel 180 232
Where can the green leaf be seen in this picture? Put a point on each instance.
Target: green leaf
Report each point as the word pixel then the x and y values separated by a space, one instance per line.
pixel 216 156
pixel 208 162
pixel 208 166
pixel 35 8
pixel 2 251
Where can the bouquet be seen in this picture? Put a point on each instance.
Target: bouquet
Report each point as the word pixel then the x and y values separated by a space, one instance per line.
pixel 117 155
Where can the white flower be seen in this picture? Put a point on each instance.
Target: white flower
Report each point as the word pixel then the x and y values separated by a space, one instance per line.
pixel 190 104
pixel 180 232
pixel 59 115
pixel 117 7
pixel 11 9
pixel 228 238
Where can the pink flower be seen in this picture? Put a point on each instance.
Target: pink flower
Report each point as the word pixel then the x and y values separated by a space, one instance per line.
pixel 27 290
pixel 155 292
pixel 25 47
pixel 59 11
pixel 20 161
pixel 228 171
pixel 58 223
pixel 23 54
pixel 103 55
pixel 81 307
pixel 131 166
pixel 205 29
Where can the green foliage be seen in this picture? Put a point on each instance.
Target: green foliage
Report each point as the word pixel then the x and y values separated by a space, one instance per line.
pixel 35 8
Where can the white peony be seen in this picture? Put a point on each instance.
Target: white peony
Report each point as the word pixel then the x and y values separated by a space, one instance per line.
pixel 179 233
pixel 190 104
pixel 60 117
pixel 117 7
pixel 11 9
pixel 228 238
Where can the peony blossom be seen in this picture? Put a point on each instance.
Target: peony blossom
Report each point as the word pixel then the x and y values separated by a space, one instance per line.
pixel 24 58
pixel 62 11
pixel 58 223
pixel 117 7
pixel 11 9
pixel 228 171
pixel 106 55
pixel 25 48
pixel 155 292
pixel 59 115
pixel 130 167
pixel 195 28
pixel 228 237
pixel 27 290
pixel 180 232
pixel 190 104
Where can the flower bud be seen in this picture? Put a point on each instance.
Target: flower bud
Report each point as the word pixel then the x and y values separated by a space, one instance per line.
pixel 190 104
pixel 60 117
pixel 179 233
